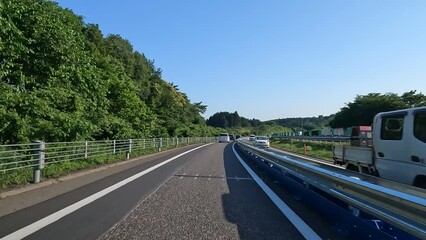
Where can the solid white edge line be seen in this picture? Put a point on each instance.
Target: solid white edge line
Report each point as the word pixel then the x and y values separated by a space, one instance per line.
pixel 297 222
pixel 32 228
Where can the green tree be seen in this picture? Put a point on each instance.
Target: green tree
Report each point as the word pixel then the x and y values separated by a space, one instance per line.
pixel 62 80
pixel 47 73
pixel 413 99
pixel 365 107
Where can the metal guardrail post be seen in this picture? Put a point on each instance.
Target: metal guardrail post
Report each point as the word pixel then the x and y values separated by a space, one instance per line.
pixel 129 150
pixel 85 149
pixel 177 142
pixel 160 144
pixel 39 157
pixel 113 147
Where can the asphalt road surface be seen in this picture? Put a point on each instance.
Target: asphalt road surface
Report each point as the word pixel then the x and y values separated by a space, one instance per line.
pixel 203 194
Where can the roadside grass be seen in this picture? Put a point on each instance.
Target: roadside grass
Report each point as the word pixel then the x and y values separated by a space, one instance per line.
pixel 25 175
pixel 323 150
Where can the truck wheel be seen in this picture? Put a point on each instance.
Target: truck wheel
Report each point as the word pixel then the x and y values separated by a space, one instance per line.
pixel 420 182
pixel 351 167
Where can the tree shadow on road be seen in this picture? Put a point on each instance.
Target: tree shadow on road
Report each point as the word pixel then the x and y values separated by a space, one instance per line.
pixel 249 208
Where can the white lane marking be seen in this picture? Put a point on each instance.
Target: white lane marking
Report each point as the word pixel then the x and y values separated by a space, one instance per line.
pixel 30 229
pixel 182 175
pixel 303 228
pixel 196 176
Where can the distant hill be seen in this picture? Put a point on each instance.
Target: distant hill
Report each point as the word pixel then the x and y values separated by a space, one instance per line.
pixel 307 123
pixel 234 122
pixel 231 120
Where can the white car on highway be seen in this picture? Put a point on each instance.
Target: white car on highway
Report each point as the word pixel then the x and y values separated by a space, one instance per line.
pixel 261 141
pixel 252 137
pixel 224 137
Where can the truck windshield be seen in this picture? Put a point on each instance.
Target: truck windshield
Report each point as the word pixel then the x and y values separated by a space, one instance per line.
pixel 420 126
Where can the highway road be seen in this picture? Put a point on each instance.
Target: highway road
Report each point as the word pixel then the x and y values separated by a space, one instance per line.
pixel 198 192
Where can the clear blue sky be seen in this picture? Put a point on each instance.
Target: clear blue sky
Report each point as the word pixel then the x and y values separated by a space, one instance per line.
pixel 273 59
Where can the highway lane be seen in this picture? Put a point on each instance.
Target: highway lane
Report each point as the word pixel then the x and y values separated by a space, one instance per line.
pixel 212 197
pixel 92 220
pixel 204 194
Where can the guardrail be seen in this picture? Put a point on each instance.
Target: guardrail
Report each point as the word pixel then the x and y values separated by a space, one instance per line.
pixel 316 138
pixel 400 209
pixel 39 154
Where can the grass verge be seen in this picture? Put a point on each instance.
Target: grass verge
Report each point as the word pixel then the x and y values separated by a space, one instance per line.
pixel 323 150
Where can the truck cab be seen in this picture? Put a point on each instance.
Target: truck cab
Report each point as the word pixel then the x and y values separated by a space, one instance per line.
pixel 399 139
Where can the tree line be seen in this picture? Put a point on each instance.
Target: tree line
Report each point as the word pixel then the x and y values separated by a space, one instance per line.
pixel 61 79
pixel 231 120
pixel 357 113
pixel 303 123
pixel 363 109
pixel 360 112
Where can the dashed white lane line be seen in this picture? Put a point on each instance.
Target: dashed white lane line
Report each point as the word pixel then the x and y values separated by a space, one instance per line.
pixel 300 225
pixel 30 229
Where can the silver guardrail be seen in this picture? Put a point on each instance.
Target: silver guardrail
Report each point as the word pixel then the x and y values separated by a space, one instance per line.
pixel 39 154
pixel 400 209
pixel 315 138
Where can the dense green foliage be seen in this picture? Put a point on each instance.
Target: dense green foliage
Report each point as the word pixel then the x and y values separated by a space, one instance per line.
pixel 62 80
pixel 365 107
pixel 357 113
pixel 306 123
pixel 236 124
pixel 231 120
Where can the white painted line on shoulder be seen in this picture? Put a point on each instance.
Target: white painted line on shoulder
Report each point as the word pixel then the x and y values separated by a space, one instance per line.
pixel 30 229
pixel 303 228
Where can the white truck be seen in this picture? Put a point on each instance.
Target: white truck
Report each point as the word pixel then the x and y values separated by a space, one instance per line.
pixel 398 150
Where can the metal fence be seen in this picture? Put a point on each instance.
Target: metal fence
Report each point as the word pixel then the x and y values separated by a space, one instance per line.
pixel 315 138
pixel 39 154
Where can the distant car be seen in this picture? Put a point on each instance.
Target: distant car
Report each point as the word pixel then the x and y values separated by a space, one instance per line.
pixel 238 136
pixel 231 137
pixel 252 137
pixel 261 141
pixel 224 137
